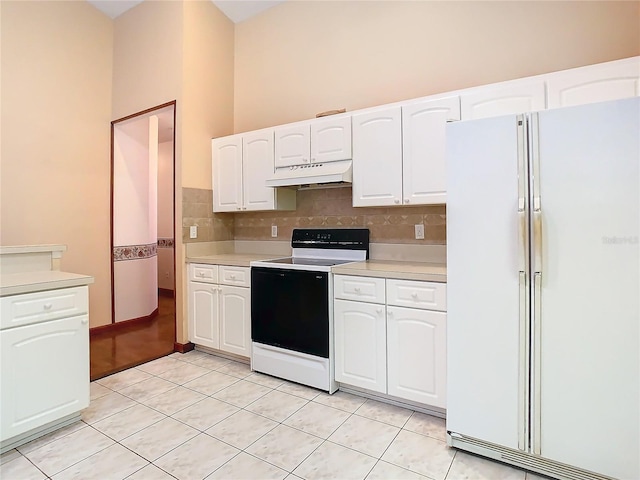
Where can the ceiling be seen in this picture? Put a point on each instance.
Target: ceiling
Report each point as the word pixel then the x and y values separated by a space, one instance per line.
pixel 235 10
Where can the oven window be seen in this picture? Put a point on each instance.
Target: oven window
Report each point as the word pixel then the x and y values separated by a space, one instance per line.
pixel 290 309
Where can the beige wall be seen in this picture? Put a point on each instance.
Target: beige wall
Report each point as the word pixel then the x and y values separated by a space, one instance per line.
pixel 56 109
pixel 303 57
pixel 207 88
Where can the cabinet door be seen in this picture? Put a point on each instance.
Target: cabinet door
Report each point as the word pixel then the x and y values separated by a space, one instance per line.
pixel 204 325
pixel 416 355
pixel 45 373
pixel 423 149
pixel 377 158
pixel 292 145
pixel 257 167
pixel 514 98
pixel 596 83
pixel 227 173
pixel 331 139
pixel 235 320
pixel 360 343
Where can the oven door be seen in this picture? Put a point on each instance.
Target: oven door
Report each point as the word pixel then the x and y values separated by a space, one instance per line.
pixel 290 309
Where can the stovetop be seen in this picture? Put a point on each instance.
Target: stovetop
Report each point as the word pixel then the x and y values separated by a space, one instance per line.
pixel 323 262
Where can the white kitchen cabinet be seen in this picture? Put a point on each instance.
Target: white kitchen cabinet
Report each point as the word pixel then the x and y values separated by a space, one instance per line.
pixel 235 320
pixel 227 173
pixel 44 366
pixel 360 344
pixel 595 83
pixel 390 337
pixel 377 158
pixel 416 355
pixel 220 308
pixel 331 139
pixel 241 165
pixel 204 320
pixel 321 140
pixel 45 373
pixel 503 99
pixel 398 153
pixel 423 149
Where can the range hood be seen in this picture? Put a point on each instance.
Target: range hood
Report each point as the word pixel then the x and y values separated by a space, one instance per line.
pixel 312 174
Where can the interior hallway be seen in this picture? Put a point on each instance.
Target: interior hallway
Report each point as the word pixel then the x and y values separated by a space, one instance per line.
pixel 113 351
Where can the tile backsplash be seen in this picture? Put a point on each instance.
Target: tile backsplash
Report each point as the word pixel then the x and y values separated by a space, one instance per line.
pixel 320 208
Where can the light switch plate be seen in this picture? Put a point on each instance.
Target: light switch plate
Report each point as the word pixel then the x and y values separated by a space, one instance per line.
pixel 193 231
pixel 274 231
pixel 419 231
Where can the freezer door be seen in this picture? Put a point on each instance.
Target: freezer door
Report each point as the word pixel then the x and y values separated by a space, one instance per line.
pixel 586 342
pixel 485 359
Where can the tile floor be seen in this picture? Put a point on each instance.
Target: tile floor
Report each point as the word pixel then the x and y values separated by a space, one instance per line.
pixel 197 416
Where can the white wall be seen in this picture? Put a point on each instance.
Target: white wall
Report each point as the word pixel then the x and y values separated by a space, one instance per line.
pixel 135 215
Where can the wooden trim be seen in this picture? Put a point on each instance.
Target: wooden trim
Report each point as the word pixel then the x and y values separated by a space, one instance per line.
pixel 149 110
pixel 113 327
pixel 165 292
pixel 183 347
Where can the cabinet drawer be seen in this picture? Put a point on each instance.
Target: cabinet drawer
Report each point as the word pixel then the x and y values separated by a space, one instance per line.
pixel 360 289
pixel 238 276
pixel 199 272
pixel 415 294
pixel 16 310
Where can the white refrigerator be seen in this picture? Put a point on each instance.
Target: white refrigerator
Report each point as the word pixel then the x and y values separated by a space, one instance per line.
pixel 543 359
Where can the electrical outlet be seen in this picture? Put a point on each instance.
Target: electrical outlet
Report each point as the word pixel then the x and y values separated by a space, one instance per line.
pixel 274 231
pixel 166 274
pixel 419 231
pixel 193 231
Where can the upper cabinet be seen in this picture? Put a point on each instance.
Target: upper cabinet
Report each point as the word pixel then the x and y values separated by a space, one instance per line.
pixel 423 154
pixel 377 158
pixel 398 153
pixel 241 165
pixel 227 173
pixel 503 99
pixel 595 83
pixel 325 140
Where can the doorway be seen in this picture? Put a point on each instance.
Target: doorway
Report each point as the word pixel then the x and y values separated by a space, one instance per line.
pixel 142 243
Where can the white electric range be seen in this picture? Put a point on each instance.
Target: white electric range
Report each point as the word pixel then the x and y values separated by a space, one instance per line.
pixel 292 308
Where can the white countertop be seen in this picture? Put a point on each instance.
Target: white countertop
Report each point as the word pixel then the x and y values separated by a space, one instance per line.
pixel 233 259
pixel 432 272
pixel 27 282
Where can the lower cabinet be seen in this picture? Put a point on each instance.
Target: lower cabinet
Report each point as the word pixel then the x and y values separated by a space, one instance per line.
pixel 219 313
pixel 387 348
pixel 360 344
pixel 44 360
pixel 416 354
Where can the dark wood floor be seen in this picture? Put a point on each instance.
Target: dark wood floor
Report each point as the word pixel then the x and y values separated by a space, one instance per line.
pixel 113 351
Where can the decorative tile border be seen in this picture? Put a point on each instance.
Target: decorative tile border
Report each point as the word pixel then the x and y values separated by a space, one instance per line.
pixel 165 243
pixel 135 252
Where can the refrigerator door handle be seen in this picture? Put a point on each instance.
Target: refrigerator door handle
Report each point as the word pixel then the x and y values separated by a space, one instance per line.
pixel 523 370
pixel 537 362
pixel 537 241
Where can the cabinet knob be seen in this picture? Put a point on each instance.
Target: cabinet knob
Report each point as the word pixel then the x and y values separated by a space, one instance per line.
pixel 357 289
pixel 306 160
pixel 238 208
pixel 233 277
pixel 390 313
pixel 214 289
pixel 396 201
pixel 379 310
pixel 84 321
pixel 313 159
pixel 414 295
pixel 406 200
pixel 244 208
pixel 47 306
